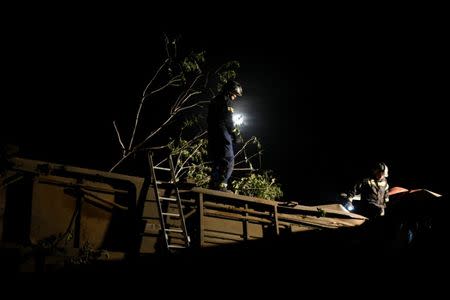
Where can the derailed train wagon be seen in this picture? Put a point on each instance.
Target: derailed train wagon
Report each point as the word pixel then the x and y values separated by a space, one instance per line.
pixel 51 206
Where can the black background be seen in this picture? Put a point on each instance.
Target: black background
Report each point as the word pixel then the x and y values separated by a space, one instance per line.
pixel 326 91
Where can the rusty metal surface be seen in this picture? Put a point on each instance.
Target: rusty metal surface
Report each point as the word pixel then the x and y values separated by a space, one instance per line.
pixel 101 198
pixel 78 206
pixel 53 209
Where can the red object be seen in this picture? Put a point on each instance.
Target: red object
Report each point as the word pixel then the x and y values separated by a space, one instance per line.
pixel 396 190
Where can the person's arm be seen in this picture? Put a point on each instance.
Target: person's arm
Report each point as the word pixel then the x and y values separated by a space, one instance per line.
pixel 228 113
pixel 346 199
pixel 355 190
pixel 386 193
pixel 232 129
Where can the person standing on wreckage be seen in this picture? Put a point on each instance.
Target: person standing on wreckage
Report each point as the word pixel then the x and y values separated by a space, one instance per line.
pixel 222 133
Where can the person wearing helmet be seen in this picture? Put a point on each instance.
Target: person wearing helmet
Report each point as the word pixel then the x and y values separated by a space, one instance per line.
pixel 222 134
pixel 373 190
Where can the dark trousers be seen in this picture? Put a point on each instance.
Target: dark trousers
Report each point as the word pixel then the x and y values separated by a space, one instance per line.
pixel 221 171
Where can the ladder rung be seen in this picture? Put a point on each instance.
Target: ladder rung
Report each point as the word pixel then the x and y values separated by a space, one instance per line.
pixel 174 230
pixel 164 182
pixel 171 214
pixel 176 246
pixel 168 199
pixel 161 168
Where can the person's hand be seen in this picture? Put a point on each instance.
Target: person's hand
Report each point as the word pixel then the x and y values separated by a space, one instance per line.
pixel 348 205
pixel 237 139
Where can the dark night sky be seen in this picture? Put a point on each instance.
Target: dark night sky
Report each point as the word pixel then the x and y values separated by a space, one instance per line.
pixel 325 95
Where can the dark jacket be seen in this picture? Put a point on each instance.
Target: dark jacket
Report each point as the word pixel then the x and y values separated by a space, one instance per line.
pixel 221 130
pixel 373 192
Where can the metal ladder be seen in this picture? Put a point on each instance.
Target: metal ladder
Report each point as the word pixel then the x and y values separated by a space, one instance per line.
pixel 175 236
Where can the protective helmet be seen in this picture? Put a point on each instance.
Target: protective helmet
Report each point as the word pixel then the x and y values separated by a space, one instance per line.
pixel 232 87
pixel 382 167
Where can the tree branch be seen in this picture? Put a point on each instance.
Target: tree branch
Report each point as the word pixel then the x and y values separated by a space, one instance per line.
pixel 245 145
pixel 154 132
pixel 171 82
pixel 182 98
pixel 135 148
pixel 121 160
pixel 118 136
pixel 188 158
pixel 190 106
pixel 154 77
pixel 244 169
pixel 247 159
pixel 142 103
pixel 198 136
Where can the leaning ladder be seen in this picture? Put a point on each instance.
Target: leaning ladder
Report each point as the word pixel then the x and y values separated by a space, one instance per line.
pixel 175 236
